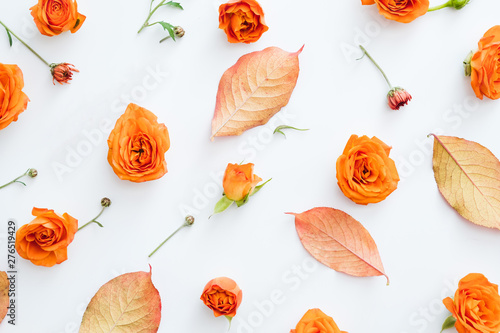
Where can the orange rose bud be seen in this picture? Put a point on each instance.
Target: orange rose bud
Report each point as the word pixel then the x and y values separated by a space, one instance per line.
pixel 476 305
pixel 62 73
pixel 12 100
pixel 239 181
pixel 398 97
pixel 400 11
pixel 53 17
pixel 242 21
pixel 44 240
pixel 316 321
pixel 365 173
pixel 485 65
pixel 137 146
pixel 223 296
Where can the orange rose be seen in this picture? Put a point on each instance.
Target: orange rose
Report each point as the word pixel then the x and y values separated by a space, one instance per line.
pixel 485 65
pixel 365 173
pixel 12 100
pixel 44 240
pixel 239 181
pixel 403 11
pixel 53 17
pixel 316 321
pixel 137 146
pixel 476 305
pixel 242 21
pixel 223 296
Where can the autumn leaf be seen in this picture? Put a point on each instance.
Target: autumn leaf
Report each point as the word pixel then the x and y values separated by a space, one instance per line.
pixel 468 177
pixel 254 90
pixel 127 303
pixel 340 242
pixel 4 295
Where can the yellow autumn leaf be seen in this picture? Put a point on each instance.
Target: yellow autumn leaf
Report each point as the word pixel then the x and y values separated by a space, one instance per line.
pixel 254 89
pixel 128 303
pixel 468 177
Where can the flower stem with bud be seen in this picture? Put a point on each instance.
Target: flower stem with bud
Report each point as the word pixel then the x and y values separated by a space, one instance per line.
pixel 105 202
pixel 457 4
pixel 30 172
pixel 173 31
pixel 189 220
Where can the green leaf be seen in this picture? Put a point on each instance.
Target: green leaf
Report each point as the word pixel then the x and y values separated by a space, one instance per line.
pixel 257 188
pixel 10 37
pixel 448 323
pixel 169 28
pixel 282 127
pixel 222 205
pixel 173 4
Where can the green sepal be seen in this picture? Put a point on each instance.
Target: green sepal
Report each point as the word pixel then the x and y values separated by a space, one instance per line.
pixel 448 323
pixel 77 23
pixel 282 127
pixel 169 28
pixel 222 204
pixel 173 4
pixel 230 319
pixel 257 188
pixel 9 35
pixel 243 201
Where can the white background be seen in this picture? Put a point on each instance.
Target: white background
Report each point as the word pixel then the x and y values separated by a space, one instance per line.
pixel 424 244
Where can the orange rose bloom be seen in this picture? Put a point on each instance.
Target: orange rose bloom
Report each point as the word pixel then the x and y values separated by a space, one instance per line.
pixel 476 305
pixel 44 240
pixel 12 100
pixel 315 321
pixel 242 21
pixel 485 65
pixel 239 181
pixel 403 11
pixel 53 17
pixel 137 146
pixel 365 173
pixel 223 296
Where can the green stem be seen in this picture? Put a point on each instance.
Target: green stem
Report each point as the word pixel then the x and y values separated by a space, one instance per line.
pixel 447 4
pixel 164 39
pixel 29 48
pixel 151 12
pixel 375 63
pixel 176 231
pixel 15 180
pixel 93 220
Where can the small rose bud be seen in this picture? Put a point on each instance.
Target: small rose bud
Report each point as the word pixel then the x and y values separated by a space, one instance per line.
pixel 62 72
pixel 179 32
pixel 398 97
pixel 189 220
pixel 459 4
pixel 467 65
pixel 105 202
pixel 32 173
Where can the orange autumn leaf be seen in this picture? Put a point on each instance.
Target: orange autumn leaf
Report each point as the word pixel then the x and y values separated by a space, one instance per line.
pixel 468 177
pixel 254 90
pixel 338 241
pixel 4 295
pixel 127 303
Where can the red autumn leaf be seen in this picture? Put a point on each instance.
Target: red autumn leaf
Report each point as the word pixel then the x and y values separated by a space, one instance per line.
pixel 340 242
pixel 254 90
pixel 127 303
pixel 4 295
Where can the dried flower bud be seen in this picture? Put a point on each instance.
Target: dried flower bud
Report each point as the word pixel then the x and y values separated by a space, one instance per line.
pixel 179 32
pixel 189 220
pixel 398 97
pixel 105 202
pixel 459 4
pixel 32 173
pixel 467 65
pixel 62 73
